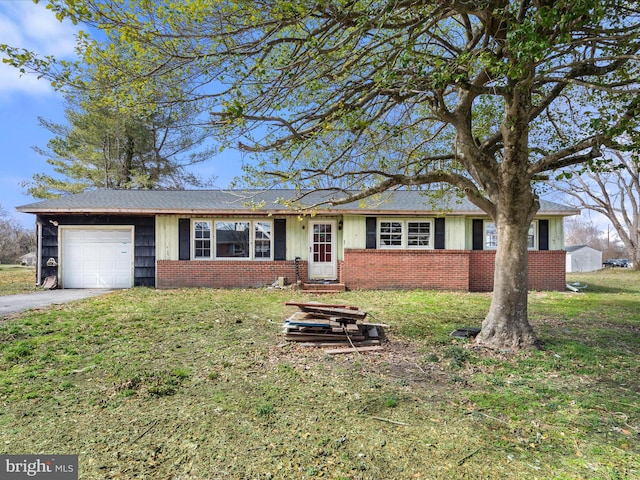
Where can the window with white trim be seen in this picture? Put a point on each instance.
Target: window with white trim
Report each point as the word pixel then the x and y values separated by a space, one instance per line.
pixel 390 234
pixel 262 240
pixel 491 236
pixel 201 240
pixel 531 237
pixel 232 239
pixel 405 234
pixel 418 234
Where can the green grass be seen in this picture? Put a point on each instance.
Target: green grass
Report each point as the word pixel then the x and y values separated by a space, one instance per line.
pixel 16 279
pixel 199 384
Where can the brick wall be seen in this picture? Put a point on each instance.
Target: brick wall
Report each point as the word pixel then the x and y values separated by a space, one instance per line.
pixel 470 270
pixel 224 274
pixel 406 269
pixel 481 266
pixel 465 270
pixel 546 270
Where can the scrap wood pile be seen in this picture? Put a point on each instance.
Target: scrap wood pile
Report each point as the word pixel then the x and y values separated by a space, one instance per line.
pixel 339 327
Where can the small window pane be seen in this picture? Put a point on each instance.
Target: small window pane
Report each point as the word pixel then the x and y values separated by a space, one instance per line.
pixel 390 234
pixel 531 238
pixel 202 240
pixel 232 239
pixel 491 235
pixel 418 234
pixel 262 240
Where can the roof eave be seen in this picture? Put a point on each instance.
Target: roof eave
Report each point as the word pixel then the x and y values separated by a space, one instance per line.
pixel 265 211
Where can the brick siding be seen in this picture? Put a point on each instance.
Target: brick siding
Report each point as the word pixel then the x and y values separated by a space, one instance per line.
pixel 470 270
pixel 225 273
pixel 406 269
pixel 466 270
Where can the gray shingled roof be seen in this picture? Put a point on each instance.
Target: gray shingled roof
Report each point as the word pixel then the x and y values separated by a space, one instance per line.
pixel 256 201
pixel 573 248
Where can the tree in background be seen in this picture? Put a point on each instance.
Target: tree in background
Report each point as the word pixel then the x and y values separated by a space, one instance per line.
pixel 101 147
pixel 375 96
pixel 15 240
pixel 580 231
pixel 613 190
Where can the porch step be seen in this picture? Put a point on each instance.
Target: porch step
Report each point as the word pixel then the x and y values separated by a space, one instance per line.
pixel 324 287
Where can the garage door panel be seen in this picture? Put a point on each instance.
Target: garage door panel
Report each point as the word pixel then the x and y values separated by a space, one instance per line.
pixel 97 258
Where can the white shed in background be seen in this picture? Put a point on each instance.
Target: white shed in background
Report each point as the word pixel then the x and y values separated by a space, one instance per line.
pixel 581 258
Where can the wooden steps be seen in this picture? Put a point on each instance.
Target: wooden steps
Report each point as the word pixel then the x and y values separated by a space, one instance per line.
pixel 322 287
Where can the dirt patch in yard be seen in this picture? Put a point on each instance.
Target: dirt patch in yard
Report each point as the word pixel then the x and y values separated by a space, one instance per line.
pixel 400 362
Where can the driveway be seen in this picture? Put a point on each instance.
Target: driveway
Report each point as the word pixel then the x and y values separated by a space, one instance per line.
pixel 44 298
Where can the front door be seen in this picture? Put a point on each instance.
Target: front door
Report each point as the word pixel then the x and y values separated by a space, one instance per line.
pixel 322 250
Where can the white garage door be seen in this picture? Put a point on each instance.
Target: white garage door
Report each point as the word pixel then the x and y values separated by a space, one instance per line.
pixel 94 258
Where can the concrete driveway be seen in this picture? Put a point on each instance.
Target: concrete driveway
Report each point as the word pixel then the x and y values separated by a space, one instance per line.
pixel 18 303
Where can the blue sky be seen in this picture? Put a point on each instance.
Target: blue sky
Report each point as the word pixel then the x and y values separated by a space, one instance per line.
pixel 25 98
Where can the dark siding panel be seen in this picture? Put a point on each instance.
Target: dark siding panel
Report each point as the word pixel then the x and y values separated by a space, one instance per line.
pixel 49 247
pixel 438 242
pixel 371 232
pixel 144 271
pixel 543 234
pixel 184 239
pixel 478 235
pixel 280 239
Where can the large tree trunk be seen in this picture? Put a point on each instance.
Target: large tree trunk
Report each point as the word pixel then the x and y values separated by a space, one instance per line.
pixel 506 326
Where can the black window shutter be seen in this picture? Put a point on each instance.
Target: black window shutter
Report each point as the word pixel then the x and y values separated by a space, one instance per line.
pixel 371 232
pixel 543 234
pixel 438 242
pixel 478 235
pixel 184 241
pixel 280 239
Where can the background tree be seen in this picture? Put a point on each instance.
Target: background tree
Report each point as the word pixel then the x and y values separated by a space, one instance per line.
pixel 581 231
pixel 375 96
pixel 102 147
pixel 614 192
pixel 15 240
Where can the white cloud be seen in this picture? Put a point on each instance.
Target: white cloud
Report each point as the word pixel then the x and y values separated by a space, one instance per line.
pixel 25 24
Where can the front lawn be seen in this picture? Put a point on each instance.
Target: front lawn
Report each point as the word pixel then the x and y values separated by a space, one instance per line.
pixel 199 384
pixel 17 279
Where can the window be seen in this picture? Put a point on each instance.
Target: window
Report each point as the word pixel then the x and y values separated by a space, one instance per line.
pixel 418 234
pixel 262 240
pixel 202 240
pixel 232 239
pixel 491 236
pixel 390 234
pixel 405 234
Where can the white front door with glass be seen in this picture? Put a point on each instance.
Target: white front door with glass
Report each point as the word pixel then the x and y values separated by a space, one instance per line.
pixel 322 250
